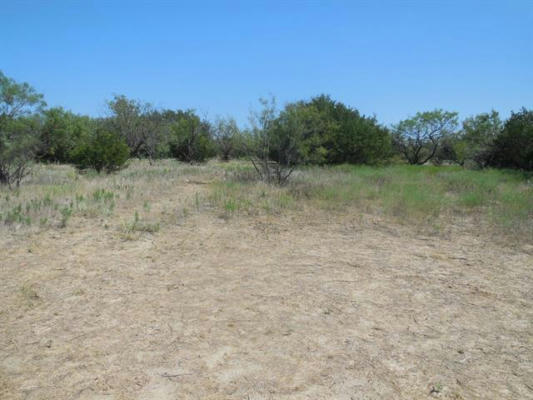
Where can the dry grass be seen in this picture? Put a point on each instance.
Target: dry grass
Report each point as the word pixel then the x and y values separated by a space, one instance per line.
pixel 175 281
pixel 56 193
pixel 430 198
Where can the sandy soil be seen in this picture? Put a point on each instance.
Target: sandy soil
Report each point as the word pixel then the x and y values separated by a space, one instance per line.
pixel 289 307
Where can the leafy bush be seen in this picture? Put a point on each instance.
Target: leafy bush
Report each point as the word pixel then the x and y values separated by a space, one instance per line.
pixel 477 137
pixel 104 151
pixel 513 148
pixel 61 132
pixel 319 131
pixel 347 136
pixel 470 146
pixel 273 151
pixel 191 139
pixel 228 138
pixel 138 123
pixel 327 131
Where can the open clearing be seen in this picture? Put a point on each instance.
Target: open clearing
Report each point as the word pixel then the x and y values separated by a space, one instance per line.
pixel 302 304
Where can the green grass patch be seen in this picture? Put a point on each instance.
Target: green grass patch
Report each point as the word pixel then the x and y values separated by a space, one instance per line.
pixel 500 198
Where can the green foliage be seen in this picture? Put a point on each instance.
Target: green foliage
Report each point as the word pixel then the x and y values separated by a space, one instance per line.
pixel 318 131
pixel 513 148
pixel 103 151
pixel 55 205
pixel 190 138
pixel 297 135
pixel 325 131
pixel 418 138
pixel 18 131
pixel 138 225
pixel 18 143
pixel 266 140
pixel 137 123
pixel 66 213
pixel 18 99
pixel 422 195
pixel 470 146
pixel 346 136
pixel 62 131
pixel 228 138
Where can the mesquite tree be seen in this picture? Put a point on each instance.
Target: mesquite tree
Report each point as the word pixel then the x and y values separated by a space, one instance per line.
pixel 137 123
pixel 264 142
pixel 418 138
pixel 20 105
pixel 227 137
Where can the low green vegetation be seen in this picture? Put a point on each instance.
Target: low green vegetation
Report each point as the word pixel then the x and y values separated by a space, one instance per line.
pixel 140 225
pixel 147 197
pixel 103 151
pixel 500 199
pixel 54 207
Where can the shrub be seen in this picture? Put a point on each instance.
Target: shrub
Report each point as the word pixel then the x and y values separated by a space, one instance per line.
pixel 228 138
pixel 138 123
pixel 476 138
pixel 328 131
pixel 513 148
pixel 273 151
pixel 61 132
pixel 104 151
pixel 191 139
pixel 346 136
pixel 319 131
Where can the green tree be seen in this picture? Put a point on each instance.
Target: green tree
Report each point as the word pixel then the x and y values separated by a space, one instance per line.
pixel 18 99
pixel 103 151
pixel 418 138
pixel 296 136
pixel 137 123
pixel 349 136
pixel 476 138
pixel 20 106
pixel 228 138
pixel 191 138
pixel 61 132
pixel 318 131
pixel 513 147
pixel 265 141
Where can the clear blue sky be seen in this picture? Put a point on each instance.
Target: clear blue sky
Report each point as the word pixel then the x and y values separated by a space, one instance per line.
pixel 390 59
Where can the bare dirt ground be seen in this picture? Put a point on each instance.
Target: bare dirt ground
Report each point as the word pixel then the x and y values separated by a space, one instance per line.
pixel 283 307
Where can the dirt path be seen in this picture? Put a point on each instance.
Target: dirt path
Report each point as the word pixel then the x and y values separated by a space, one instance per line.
pixel 264 308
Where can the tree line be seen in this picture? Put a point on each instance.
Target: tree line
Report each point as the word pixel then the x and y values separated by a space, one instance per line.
pixel 316 131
